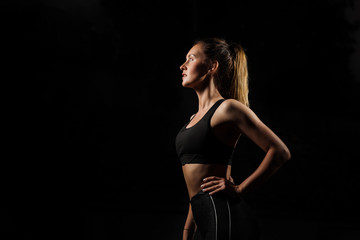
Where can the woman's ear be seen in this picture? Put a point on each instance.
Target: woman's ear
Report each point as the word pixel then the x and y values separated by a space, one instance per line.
pixel 213 66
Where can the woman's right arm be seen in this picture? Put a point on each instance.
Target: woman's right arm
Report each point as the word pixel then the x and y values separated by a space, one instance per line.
pixel 190 226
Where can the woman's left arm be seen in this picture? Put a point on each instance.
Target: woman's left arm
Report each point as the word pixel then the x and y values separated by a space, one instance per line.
pixel 246 121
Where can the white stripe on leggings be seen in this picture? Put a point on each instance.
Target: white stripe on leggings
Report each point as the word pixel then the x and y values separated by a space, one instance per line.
pixel 215 216
pixel 229 219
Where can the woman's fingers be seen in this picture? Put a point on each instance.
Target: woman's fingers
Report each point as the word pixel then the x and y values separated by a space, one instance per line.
pixel 207 179
pixel 208 184
pixel 214 188
pixel 221 188
pixel 215 184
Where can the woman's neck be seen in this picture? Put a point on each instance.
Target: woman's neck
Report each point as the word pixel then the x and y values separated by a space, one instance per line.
pixel 207 96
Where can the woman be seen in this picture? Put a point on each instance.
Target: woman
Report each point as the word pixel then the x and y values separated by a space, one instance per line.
pixel 217 72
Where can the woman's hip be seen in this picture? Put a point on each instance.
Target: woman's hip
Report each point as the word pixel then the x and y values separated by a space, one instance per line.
pixel 220 217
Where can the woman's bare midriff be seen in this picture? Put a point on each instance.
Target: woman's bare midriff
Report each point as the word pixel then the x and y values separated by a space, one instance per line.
pixel 195 173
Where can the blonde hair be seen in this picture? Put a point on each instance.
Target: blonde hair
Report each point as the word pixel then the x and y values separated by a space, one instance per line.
pixel 232 75
pixel 240 85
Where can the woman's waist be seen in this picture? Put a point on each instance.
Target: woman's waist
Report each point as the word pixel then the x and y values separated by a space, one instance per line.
pixel 194 158
pixel 195 173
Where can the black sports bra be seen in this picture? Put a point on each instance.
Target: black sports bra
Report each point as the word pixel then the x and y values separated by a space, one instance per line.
pixel 197 144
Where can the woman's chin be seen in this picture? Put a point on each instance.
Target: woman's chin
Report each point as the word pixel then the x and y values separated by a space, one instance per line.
pixel 185 83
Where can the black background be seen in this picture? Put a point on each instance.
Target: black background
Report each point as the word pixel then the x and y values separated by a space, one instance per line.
pixel 92 102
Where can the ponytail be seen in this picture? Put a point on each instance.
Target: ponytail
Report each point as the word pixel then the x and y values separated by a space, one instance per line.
pixel 231 79
pixel 239 89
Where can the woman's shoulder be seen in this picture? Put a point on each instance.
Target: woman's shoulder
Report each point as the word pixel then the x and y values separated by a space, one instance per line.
pixel 230 106
pixel 232 110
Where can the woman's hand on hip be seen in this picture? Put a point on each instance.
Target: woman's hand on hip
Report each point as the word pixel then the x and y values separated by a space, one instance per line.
pixel 215 184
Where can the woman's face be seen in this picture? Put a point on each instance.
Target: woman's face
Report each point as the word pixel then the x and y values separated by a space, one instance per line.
pixel 195 69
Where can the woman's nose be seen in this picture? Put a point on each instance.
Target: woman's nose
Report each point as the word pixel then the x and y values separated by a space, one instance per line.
pixel 182 67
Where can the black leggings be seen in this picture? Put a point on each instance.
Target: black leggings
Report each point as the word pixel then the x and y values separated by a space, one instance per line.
pixel 219 217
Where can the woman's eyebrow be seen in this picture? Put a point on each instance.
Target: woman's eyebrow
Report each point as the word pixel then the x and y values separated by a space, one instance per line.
pixel 191 54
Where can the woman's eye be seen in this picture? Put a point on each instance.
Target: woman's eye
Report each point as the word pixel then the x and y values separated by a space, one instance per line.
pixel 190 59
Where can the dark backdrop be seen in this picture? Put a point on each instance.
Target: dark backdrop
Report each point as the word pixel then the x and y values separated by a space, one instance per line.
pixel 93 101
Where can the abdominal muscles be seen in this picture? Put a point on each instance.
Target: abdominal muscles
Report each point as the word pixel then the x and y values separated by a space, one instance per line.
pixel 195 173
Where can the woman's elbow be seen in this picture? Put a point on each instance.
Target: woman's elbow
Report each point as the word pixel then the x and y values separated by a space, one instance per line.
pixel 285 154
pixel 281 155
